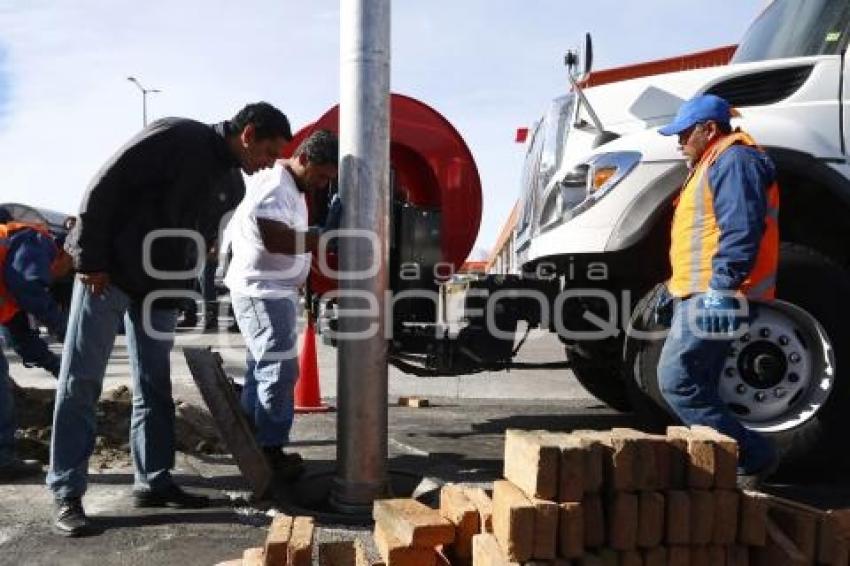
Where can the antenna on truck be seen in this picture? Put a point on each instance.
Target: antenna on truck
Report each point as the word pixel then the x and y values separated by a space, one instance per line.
pixel 572 60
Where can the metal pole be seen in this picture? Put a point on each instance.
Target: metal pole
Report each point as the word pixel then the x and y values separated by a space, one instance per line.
pixel 364 182
pixel 144 108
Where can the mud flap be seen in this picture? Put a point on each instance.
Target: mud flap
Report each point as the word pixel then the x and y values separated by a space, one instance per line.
pixel 218 394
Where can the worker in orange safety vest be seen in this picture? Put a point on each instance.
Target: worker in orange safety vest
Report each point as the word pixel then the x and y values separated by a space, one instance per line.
pixel 724 250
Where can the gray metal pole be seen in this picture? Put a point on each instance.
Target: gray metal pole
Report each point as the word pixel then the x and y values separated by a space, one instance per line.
pixel 364 181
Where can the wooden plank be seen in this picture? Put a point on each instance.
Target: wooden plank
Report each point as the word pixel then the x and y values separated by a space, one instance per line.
pixel 218 394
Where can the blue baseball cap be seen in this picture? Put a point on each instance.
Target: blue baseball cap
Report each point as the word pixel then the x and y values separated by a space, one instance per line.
pixel 700 108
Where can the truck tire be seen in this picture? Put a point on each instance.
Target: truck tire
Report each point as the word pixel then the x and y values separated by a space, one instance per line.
pixel 601 375
pixel 805 405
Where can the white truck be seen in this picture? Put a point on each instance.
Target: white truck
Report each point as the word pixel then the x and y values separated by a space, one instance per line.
pixel 599 183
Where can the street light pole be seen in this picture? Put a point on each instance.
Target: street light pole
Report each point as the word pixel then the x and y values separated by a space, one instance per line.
pixel 144 92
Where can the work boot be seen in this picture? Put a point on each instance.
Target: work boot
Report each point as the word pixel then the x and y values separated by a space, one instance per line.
pixel 71 520
pixel 172 496
pixel 287 466
pixel 17 469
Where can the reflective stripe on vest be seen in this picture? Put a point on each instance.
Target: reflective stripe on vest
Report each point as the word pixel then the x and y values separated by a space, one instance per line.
pixel 8 305
pixel 695 234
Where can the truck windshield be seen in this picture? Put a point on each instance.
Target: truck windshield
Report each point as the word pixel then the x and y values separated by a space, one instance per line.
pixel 796 28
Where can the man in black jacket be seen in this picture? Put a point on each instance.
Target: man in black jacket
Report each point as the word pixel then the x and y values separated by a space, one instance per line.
pixel 141 232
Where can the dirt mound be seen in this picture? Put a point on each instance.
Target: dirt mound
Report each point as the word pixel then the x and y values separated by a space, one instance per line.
pixel 194 427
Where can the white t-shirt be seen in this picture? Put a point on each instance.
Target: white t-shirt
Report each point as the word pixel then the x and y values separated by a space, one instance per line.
pixel 255 272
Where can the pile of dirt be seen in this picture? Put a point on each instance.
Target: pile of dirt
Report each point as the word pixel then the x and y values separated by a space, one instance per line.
pixel 194 427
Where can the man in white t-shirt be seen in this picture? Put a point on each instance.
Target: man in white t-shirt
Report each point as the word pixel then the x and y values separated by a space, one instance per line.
pixel 271 245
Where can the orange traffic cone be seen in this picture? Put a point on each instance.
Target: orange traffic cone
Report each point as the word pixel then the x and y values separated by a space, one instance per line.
pixel 308 399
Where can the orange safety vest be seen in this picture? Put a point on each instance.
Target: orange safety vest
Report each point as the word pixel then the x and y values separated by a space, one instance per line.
pixel 8 305
pixel 695 234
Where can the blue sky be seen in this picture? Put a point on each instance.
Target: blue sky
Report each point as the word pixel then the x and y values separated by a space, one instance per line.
pixel 489 66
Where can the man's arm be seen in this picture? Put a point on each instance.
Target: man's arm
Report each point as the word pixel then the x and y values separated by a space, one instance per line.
pixel 28 278
pixel 279 238
pixel 740 178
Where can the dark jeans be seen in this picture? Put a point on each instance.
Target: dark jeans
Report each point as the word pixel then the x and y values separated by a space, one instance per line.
pixel 92 326
pixel 688 373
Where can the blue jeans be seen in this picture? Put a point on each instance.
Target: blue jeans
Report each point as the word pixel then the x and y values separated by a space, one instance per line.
pixel 688 373
pixel 7 413
pixel 93 323
pixel 268 326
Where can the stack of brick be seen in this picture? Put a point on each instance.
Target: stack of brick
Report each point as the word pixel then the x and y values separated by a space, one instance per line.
pixel 622 497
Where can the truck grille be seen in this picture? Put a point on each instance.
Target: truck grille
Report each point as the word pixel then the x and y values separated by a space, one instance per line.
pixel 766 87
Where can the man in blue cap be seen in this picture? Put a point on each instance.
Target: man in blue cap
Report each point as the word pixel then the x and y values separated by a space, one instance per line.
pixel 724 250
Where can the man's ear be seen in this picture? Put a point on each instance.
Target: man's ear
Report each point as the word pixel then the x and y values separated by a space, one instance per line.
pixel 302 159
pixel 248 134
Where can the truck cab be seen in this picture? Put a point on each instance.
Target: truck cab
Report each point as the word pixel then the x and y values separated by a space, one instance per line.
pixel 597 199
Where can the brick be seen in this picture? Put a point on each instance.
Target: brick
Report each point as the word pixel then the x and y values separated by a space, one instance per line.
pixel 725 457
pixel 594 469
pixel 594 521
pixel 571 466
pixel 484 505
pixel 678 454
pixel 339 553
pixel 513 521
pixel 678 556
pixel 277 540
pixel 253 556
pixel 833 537
pixel 650 519
pixel 655 556
pixel 752 524
pixel 700 456
pixel 361 556
pixel 571 527
pixel 486 551
pixel 778 549
pixel 299 552
pixel 702 516
pixel 395 553
pixel 700 556
pixel 663 465
pixel 622 521
pixel 545 529
pixel 531 464
pixel 463 514
pixel 737 555
pixel 678 518
pixel 413 523
pixel 716 555
pixel 413 402
pixel 631 558
pixel 725 517
pixel 799 526
pixel 622 460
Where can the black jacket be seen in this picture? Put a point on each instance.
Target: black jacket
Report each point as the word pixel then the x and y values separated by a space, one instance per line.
pixel 174 174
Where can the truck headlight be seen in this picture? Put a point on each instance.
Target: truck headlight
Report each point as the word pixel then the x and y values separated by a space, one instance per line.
pixel 582 187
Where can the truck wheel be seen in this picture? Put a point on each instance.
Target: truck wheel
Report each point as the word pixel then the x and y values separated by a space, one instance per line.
pixel 799 341
pixel 601 375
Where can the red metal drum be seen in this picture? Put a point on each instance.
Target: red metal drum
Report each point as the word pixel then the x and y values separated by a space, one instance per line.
pixel 433 168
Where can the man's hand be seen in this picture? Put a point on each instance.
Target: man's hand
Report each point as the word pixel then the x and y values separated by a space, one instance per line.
pixel 95 282
pixel 718 313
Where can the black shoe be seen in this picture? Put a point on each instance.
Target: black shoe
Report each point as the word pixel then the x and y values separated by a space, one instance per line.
pixel 288 466
pixel 71 520
pixel 172 496
pixel 18 469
